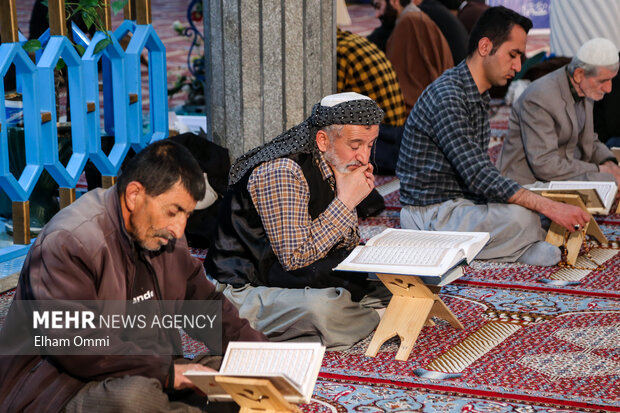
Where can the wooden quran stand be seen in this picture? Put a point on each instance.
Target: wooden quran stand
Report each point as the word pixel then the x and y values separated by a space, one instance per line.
pixel 412 305
pixel 255 395
pixel 572 241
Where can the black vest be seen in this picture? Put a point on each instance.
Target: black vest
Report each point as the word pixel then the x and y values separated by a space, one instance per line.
pixel 241 252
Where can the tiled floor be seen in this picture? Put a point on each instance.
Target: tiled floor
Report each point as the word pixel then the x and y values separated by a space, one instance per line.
pixel 9 272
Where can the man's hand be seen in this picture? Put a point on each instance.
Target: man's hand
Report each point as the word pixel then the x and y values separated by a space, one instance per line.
pixel 182 382
pixel 568 216
pixel 353 187
pixel 564 214
pixel 613 169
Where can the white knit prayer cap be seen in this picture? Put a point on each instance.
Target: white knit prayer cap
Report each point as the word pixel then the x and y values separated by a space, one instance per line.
pixel 598 52
pixel 338 98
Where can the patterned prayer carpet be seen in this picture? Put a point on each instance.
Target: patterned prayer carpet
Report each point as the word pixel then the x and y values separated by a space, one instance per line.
pixel 603 283
pixel 518 346
pixel 536 339
pixel 343 395
pixel 527 346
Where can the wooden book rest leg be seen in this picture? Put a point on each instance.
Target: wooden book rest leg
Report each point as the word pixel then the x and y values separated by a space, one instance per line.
pixel 441 310
pixel 557 233
pixel 410 308
pixel 255 395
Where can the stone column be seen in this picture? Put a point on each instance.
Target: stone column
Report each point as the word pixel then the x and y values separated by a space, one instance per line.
pixel 267 63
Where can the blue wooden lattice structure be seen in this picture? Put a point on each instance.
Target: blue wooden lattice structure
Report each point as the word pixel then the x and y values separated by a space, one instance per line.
pixel 122 96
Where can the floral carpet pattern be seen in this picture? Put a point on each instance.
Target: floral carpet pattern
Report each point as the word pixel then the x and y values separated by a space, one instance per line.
pixel 341 395
pixel 536 339
pixel 530 343
pixel 517 346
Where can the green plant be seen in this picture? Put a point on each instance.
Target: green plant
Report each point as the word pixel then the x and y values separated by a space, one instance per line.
pixel 88 10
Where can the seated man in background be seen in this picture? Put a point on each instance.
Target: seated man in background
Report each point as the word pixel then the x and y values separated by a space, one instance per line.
pixel 551 134
pixel 289 218
pixel 448 182
pixel 363 68
pixel 606 119
pixel 467 12
pixel 417 50
pixel 387 16
pixel 121 244
pixel 450 26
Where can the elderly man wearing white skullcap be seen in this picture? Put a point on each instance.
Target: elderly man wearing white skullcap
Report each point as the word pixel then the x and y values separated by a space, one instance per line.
pixel 289 218
pixel 551 134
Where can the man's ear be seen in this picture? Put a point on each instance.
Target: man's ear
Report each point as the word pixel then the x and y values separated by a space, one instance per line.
pixel 322 141
pixel 133 195
pixel 578 75
pixel 485 46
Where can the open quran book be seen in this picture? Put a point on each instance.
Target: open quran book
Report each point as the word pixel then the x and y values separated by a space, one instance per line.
pixel 597 196
pixel 291 367
pixel 433 255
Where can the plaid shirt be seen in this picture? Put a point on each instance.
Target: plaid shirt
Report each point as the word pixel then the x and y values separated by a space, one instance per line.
pixel 365 69
pixel 444 150
pixel 280 194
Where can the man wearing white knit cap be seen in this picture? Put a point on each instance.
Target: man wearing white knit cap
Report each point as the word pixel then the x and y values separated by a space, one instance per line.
pixel 289 218
pixel 551 134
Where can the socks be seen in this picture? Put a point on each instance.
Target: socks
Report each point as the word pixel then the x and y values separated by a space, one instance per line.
pixel 541 253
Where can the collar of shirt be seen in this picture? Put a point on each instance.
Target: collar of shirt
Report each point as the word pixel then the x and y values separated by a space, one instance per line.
pixel 471 89
pixel 119 210
pixel 411 8
pixel 573 91
pixel 326 170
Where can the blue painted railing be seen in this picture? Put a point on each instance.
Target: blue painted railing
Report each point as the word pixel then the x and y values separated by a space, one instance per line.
pixel 122 93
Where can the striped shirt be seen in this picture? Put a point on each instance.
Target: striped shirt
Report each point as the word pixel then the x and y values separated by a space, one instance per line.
pixel 444 150
pixel 280 195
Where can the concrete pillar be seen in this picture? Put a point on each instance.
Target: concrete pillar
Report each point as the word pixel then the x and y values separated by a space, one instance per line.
pixel 267 63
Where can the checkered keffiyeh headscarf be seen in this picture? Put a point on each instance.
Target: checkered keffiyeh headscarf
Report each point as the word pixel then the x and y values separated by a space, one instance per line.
pixel 340 109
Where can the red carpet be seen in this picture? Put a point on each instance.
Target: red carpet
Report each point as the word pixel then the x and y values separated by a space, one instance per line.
pixel 518 346
pixel 341 394
pixel 535 339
